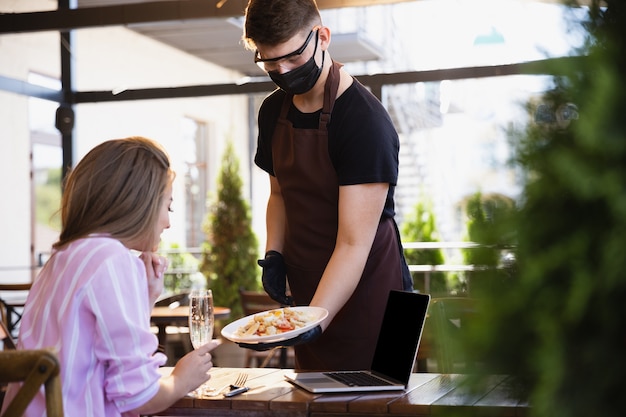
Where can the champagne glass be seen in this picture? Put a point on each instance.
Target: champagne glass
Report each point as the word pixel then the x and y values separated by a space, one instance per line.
pixel 200 317
pixel 201 320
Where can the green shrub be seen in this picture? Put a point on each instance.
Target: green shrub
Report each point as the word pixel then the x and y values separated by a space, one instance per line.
pixel 421 227
pixel 231 248
pixel 560 325
pixel 491 225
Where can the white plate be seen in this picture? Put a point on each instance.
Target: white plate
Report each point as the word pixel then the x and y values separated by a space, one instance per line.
pixel 230 330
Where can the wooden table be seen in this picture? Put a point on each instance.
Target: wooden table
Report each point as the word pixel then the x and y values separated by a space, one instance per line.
pixel 178 316
pixel 428 394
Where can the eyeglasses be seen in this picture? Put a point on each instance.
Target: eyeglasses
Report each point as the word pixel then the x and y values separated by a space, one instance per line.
pixel 260 61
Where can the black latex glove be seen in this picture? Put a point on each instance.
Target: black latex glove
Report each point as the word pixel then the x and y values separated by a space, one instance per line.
pixel 275 277
pixel 302 338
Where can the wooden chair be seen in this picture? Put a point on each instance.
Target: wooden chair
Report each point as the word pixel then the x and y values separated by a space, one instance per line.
pixel 7 344
pixel 450 319
pixel 8 309
pixel 426 351
pixel 178 342
pixel 175 300
pixel 253 302
pixel 5 337
pixel 33 368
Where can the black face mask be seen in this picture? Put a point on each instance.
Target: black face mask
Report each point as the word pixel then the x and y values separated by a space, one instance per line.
pixel 301 79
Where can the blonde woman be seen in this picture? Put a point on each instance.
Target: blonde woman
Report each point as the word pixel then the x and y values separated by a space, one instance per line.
pixel 93 298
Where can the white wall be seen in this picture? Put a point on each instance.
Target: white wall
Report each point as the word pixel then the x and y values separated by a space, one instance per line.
pixel 19 54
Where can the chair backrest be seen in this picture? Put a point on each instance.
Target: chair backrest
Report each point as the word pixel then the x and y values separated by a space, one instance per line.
pixel 451 317
pixel 8 305
pixel 33 368
pixel 175 300
pixel 5 337
pixel 253 302
pixel 7 344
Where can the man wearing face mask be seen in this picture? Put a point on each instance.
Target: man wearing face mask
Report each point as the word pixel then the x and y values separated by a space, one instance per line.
pixel 331 153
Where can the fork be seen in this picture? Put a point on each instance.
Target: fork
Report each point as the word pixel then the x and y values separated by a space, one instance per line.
pixel 239 386
pixel 240 381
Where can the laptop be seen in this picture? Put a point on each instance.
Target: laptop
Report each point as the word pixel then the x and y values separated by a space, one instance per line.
pixel 394 357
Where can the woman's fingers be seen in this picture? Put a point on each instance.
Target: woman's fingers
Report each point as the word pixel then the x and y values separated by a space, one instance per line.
pixel 155 264
pixel 155 269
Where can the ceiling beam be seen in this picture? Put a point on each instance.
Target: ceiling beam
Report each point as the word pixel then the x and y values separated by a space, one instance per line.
pixel 540 67
pixel 151 11
pixel 547 66
pixel 115 15
pixel 25 88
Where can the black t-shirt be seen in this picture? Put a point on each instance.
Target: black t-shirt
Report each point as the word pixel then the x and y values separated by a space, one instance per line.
pixel 362 142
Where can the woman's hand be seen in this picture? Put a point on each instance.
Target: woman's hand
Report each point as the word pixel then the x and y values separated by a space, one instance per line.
pixel 156 266
pixel 193 368
pixel 191 371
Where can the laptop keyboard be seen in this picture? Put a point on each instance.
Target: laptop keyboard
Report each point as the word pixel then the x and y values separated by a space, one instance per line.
pixel 357 379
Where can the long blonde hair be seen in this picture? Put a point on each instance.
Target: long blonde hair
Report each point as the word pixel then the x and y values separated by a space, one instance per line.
pixel 117 188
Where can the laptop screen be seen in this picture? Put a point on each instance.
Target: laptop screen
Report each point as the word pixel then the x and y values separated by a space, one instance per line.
pixel 400 334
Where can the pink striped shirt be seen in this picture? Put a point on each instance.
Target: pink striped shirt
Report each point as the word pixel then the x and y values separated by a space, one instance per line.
pixel 90 302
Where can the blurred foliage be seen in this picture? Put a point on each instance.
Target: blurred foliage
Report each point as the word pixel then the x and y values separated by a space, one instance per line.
pixel 181 270
pixel 421 227
pixel 490 223
pixel 559 325
pixel 48 199
pixel 230 253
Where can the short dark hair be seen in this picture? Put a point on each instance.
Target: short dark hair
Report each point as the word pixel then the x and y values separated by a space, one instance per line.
pixel 272 22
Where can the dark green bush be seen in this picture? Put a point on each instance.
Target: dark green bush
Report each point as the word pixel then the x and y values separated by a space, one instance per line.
pixel 421 227
pixel 231 248
pixel 490 223
pixel 560 325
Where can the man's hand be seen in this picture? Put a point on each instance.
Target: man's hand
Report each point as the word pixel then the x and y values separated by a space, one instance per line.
pixel 275 277
pixel 302 338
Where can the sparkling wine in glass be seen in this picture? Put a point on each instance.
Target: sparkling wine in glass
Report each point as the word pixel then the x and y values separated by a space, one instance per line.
pixel 200 317
pixel 200 323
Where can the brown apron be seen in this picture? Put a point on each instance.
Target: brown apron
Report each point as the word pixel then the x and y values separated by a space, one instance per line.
pixel 310 190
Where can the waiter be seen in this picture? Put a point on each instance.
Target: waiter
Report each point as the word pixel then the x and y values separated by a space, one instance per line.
pixel 331 152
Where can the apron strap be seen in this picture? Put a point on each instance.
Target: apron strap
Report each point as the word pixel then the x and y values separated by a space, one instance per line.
pixel 330 94
pixel 286 104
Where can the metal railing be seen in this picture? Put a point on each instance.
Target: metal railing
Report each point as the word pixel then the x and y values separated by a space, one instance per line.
pixel 425 269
